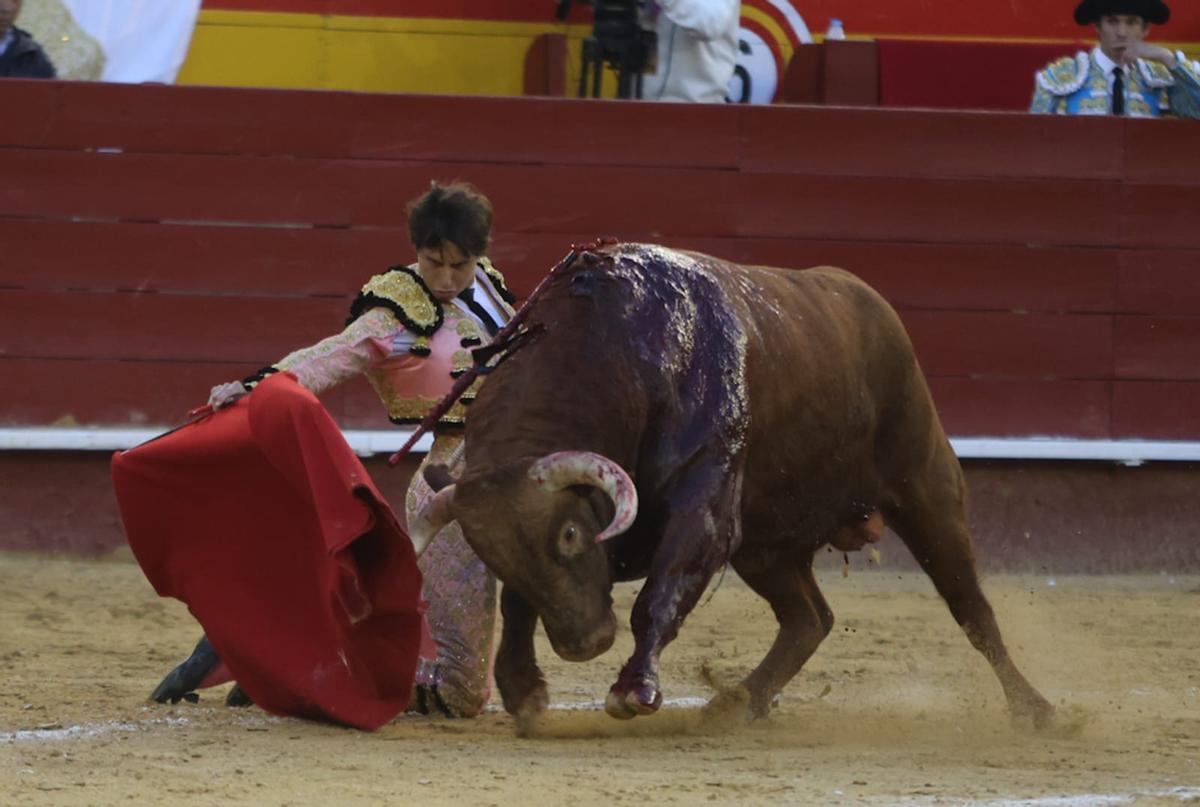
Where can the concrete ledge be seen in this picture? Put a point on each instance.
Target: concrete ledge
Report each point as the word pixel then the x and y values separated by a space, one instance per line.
pixel 365 443
pixel 370 442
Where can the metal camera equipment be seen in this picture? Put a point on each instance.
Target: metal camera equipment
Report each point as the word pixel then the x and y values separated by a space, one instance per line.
pixel 617 40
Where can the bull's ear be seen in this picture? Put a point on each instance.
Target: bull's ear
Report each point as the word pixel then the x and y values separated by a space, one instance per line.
pixel 438 476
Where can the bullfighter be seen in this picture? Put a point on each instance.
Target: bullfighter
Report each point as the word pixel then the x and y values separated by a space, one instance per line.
pixel 410 332
pixel 1123 74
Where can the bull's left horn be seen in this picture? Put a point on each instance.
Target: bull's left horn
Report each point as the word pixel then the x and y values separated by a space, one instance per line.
pixel 566 468
pixel 429 520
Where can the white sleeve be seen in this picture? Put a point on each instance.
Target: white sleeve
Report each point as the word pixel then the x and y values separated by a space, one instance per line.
pixel 707 18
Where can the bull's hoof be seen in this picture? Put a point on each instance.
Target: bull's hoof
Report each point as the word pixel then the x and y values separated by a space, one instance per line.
pixel 1037 710
pixel 529 716
pixel 524 694
pixel 528 709
pixel 627 703
pixel 181 682
pixel 733 707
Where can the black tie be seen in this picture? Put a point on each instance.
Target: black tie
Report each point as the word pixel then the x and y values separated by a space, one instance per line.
pixel 1118 104
pixel 467 295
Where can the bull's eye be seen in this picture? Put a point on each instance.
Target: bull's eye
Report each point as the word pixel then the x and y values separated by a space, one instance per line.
pixel 568 540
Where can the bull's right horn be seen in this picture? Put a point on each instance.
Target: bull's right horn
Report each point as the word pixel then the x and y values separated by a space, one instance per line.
pixel 429 520
pixel 565 468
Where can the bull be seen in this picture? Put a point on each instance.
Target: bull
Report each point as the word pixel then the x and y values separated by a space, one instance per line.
pixel 680 413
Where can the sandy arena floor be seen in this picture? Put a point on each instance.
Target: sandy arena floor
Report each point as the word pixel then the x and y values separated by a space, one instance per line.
pixel 894 709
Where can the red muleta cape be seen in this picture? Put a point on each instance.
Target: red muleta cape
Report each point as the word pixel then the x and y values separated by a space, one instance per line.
pixel 264 522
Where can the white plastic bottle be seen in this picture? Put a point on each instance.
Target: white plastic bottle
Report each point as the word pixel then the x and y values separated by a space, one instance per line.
pixel 836 31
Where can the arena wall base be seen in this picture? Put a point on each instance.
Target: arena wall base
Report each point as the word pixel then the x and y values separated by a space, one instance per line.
pixel 1026 516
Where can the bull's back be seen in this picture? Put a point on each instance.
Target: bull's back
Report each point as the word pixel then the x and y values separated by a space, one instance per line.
pixel 829 327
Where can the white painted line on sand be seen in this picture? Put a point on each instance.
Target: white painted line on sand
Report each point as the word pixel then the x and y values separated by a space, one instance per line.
pixel 90 731
pixel 1182 794
pixel 596 706
pixel 86 731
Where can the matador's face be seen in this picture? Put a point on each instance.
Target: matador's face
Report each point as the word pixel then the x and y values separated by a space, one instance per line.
pixel 446 269
pixel 1119 31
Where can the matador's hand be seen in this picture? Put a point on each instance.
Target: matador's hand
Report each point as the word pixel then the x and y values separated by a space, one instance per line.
pixel 1144 50
pixel 223 395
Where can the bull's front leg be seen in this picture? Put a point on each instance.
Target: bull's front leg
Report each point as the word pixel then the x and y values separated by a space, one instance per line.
pixel 695 544
pixel 522 687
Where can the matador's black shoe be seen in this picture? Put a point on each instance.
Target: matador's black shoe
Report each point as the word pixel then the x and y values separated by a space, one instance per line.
pixel 183 681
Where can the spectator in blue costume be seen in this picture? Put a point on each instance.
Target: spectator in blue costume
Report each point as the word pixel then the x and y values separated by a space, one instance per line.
pixel 1123 74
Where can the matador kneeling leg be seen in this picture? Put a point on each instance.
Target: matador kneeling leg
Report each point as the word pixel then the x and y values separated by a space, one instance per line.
pixel 461 595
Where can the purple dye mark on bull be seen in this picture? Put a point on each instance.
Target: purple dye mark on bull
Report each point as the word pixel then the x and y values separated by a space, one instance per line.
pixel 677 316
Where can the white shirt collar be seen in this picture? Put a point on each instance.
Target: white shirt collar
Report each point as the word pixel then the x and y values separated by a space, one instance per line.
pixel 1102 61
pixel 484 298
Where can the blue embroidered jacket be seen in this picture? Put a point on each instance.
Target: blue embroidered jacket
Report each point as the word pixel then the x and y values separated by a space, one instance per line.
pixel 1078 86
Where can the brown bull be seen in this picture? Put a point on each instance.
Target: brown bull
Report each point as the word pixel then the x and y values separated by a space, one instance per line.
pixel 682 412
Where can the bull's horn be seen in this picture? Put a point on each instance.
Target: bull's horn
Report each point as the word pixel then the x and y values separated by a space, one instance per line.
pixel 429 520
pixel 566 468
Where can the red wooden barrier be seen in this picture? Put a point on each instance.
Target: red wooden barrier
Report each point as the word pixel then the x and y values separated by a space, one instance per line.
pixel 963 75
pixel 210 120
pixel 158 240
pixel 907 144
pixel 1157 410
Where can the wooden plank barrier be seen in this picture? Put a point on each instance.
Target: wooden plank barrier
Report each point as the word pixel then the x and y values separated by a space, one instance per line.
pixel 157 240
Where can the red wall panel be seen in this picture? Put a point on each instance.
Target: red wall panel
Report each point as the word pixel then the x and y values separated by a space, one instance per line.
pixel 210 120
pixel 988 344
pixel 989 407
pixel 640 203
pixel 1156 410
pixel 55 255
pixel 98 392
pixel 143 394
pixel 135 326
pixel 905 144
pixel 1157 151
pixel 1159 282
pixel 1160 348
pixel 1051 213
pixel 959 276
pixel 1160 216
pixel 155 242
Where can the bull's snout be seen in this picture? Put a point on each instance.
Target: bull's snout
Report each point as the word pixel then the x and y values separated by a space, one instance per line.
pixel 584 647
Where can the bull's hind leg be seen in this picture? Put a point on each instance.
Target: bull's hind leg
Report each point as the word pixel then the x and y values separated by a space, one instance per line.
pixel 931 520
pixel 804 621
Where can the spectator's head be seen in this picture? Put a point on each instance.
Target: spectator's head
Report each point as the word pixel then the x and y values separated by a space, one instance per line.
pixel 9 9
pixel 450 227
pixel 1121 23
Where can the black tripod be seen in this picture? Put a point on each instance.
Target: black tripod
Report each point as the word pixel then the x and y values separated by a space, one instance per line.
pixel 627 58
pixel 619 41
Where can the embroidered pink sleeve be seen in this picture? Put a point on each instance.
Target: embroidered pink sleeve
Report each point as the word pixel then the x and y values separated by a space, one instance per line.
pixel 365 342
